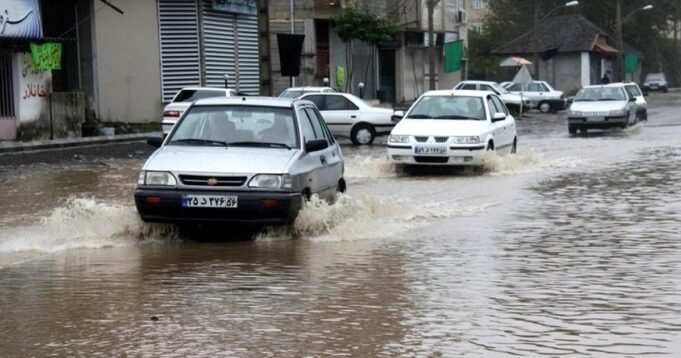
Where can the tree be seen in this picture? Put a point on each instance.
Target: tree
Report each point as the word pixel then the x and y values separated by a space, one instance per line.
pixel 358 22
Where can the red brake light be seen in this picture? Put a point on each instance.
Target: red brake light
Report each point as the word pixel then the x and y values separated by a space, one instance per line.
pixel 171 114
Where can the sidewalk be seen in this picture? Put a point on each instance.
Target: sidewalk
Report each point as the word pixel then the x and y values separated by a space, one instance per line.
pixel 16 147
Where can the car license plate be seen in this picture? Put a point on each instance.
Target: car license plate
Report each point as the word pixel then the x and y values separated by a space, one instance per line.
pixel 430 150
pixel 653 86
pixel 595 119
pixel 209 201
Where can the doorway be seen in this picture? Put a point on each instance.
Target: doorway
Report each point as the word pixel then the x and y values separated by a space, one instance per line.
pixel 7 110
pixel 386 76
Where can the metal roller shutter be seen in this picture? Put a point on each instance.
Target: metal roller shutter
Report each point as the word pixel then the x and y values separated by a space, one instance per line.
pixel 179 37
pixel 230 52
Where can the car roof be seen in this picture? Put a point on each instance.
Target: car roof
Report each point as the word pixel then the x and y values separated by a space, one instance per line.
pixel 251 101
pixel 205 88
pixel 467 93
pixel 479 82
pixel 308 88
pixel 617 85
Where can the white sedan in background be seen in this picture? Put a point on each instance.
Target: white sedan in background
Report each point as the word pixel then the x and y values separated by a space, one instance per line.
pixel 452 128
pixel 295 92
pixel 349 116
pixel 184 98
pixel 602 107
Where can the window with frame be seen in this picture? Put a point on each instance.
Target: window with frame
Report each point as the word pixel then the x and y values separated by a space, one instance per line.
pixel 535 87
pixel 479 4
pixel 318 100
pixel 500 105
pixel 306 127
pixel 468 86
pixel 316 117
pixel 487 88
pixel 339 103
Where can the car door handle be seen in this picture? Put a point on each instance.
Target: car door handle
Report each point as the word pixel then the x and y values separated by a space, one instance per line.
pixel 322 159
pixel 353 116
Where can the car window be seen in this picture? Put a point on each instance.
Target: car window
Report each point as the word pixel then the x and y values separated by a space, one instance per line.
pixel 224 125
pixel 468 86
pixel 600 94
pixel 318 101
pixel 501 107
pixel 291 94
pixel 516 87
pixel 317 119
pixel 193 95
pixel 535 87
pixel 545 87
pixel 306 126
pixel 448 107
pixel 487 88
pixel 339 103
pixel 633 90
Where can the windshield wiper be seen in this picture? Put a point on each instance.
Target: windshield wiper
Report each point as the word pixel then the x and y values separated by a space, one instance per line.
pixel 199 141
pixel 419 116
pixel 610 99
pixel 259 144
pixel 584 100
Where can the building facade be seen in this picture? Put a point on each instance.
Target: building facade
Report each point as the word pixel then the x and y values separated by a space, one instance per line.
pixel 394 71
pixel 125 61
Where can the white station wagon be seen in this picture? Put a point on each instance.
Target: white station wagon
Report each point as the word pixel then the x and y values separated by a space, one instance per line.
pixel 452 128
pixel 240 160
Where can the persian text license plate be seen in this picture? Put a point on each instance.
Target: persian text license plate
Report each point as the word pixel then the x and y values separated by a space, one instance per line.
pixel 209 201
pixel 595 119
pixel 430 150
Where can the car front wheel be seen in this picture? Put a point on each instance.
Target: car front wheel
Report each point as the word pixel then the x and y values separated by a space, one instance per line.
pixel 545 107
pixel 363 134
pixel 572 129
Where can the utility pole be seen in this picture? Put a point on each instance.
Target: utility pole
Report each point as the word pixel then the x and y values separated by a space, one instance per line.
pixel 293 31
pixel 535 43
pixel 618 70
pixel 431 43
pixel 265 50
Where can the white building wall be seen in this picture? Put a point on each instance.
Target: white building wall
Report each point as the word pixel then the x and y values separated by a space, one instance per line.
pixel 586 69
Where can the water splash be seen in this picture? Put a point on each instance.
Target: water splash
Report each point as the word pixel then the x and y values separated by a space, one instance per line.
pixel 82 223
pixel 360 167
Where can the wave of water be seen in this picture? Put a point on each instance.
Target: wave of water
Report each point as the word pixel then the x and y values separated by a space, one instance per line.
pixel 81 223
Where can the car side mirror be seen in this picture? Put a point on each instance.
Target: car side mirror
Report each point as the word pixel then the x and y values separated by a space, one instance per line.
pixel 155 142
pixel 316 145
pixel 498 117
pixel 632 99
pixel 397 115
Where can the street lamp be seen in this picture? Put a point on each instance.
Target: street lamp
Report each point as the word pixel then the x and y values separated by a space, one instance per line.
pixel 536 29
pixel 620 42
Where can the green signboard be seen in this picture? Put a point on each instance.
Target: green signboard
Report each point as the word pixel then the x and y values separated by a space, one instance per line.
pixel 47 56
pixel 244 7
pixel 453 56
pixel 630 62
pixel 340 76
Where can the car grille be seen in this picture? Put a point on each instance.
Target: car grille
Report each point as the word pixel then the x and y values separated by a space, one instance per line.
pixel 441 139
pixel 201 180
pixel 431 160
pixel 421 139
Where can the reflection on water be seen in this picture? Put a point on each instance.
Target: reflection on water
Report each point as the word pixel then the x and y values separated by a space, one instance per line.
pixel 586 264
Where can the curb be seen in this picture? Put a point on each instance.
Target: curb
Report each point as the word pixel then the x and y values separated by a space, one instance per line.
pixel 18 147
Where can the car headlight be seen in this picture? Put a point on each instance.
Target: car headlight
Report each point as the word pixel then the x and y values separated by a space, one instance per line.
pixel 156 178
pixel 466 140
pixel 576 113
pixel 646 84
pixel 271 181
pixel 617 112
pixel 398 139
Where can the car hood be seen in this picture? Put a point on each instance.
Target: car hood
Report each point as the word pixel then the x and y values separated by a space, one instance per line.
pixel 597 106
pixel 233 160
pixel 439 127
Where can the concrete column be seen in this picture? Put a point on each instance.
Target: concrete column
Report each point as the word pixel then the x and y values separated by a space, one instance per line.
pixel 586 69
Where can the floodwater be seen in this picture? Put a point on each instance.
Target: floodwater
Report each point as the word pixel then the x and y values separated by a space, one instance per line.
pixel 570 247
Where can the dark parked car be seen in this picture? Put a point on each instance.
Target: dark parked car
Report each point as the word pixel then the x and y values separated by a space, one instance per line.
pixel 655 82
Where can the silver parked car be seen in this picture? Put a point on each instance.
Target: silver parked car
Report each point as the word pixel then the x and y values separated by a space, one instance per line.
pixel 240 160
pixel 656 82
pixel 601 107
pixel 541 95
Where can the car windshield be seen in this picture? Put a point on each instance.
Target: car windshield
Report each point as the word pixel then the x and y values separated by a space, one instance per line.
pixel 448 107
pixel 499 88
pixel 655 77
pixel 252 126
pixel 193 95
pixel 600 94
pixel 291 94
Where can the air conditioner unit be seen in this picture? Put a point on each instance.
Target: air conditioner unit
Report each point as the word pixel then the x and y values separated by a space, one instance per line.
pixel 462 16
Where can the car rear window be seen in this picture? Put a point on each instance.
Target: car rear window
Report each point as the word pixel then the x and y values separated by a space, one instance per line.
pixel 193 95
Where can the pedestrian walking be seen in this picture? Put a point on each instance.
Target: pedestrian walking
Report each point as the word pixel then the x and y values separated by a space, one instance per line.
pixel 606 78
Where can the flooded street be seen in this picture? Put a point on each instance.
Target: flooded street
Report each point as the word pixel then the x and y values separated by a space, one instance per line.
pixel 570 247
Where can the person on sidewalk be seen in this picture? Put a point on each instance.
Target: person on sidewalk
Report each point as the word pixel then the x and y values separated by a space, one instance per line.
pixel 606 78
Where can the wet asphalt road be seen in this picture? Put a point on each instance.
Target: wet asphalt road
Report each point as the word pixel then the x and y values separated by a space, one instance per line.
pixel 571 247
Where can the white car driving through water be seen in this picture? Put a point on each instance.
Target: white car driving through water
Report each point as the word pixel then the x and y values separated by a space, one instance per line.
pixel 602 107
pixel 452 128
pixel 240 160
